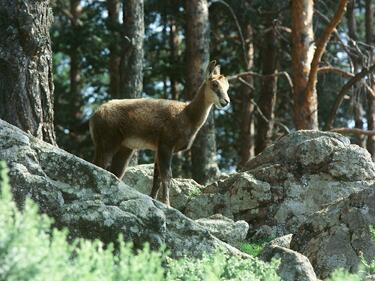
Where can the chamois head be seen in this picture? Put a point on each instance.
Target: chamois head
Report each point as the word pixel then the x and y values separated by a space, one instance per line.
pixel 217 85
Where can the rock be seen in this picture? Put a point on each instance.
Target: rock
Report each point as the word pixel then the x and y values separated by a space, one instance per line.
pixel 181 191
pixel 225 229
pixel 293 266
pixel 337 236
pixel 300 174
pixel 282 241
pixel 93 203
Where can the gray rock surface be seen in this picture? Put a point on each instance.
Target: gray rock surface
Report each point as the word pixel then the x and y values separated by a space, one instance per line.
pixel 293 266
pixel 181 190
pixel 338 235
pixel 92 203
pixel 282 241
pixel 297 176
pixel 225 229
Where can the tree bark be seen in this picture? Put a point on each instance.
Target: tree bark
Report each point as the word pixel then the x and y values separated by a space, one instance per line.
pixel 357 103
pixel 131 80
pixel 75 76
pixel 203 152
pixel 267 99
pixel 113 7
pixel 247 108
pixel 131 64
pixel 370 99
pixel 305 103
pixel 174 42
pixel 26 85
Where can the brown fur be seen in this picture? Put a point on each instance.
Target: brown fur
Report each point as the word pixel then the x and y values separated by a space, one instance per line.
pixel 120 126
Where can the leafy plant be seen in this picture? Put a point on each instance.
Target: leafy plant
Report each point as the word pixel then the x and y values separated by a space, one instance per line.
pixel 254 248
pixel 31 250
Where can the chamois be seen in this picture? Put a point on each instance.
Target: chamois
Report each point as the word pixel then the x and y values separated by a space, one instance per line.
pixel 165 126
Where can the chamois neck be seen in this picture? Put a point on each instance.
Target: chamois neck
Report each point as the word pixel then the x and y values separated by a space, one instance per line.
pixel 199 108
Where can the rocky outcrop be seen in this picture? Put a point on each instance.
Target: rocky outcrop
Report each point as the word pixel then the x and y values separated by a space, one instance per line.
pixel 293 265
pixel 181 190
pixel 92 203
pixel 225 229
pixel 281 187
pixel 337 236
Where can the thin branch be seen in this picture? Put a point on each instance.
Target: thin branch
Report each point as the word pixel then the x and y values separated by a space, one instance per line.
pixel 326 69
pixel 243 43
pixel 353 131
pixel 256 106
pixel 258 75
pixel 322 43
pixel 344 90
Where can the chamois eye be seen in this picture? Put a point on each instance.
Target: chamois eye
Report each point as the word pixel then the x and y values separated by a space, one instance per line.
pixel 215 85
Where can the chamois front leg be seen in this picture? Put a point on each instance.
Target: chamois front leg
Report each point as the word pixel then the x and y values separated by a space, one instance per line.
pixel 156 181
pixel 120 161
pixel 165 162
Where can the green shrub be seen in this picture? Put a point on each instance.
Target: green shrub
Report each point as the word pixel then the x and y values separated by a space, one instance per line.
pixel 342 275
pixel 221 267
pixel 31 250
pixel 254 248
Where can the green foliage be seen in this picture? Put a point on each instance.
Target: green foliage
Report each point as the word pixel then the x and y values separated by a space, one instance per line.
pixel 342 275
pixel 31 250
pixel 221 267
pixel 254 248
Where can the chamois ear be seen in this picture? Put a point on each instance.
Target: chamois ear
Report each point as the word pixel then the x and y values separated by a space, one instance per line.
pixel 216 70
pixel 210 69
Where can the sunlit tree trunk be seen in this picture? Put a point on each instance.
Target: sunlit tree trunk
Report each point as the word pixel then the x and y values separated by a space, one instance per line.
pixel 203 152
pixel 26 86
pixel 113 7
pixel 371 101
pixel 247 108
pixel 305 108
pixel 267 98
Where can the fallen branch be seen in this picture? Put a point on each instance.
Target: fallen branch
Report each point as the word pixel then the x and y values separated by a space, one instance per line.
pixel 353 131
pixel 344 90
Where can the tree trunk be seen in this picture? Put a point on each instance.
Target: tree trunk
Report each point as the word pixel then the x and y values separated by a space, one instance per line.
pixel 267 99
pixel 26 85
pixel 113 7
pixel 75 77
pixel 370 99
pixel 174 42
pixel 247 108
pixel 131 65
pixel 305 108
pixel 357 103
pixel 203 152
pixel 132 57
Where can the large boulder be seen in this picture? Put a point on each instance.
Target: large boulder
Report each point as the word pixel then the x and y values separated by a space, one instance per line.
pixel 339 235
pixel 181 190
pixel 297 176
pixel 93 203
pixel 227 230
pixel 293 265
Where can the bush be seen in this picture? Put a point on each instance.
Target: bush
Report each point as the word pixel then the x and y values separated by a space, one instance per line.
pixel 31 250
pixel 254 248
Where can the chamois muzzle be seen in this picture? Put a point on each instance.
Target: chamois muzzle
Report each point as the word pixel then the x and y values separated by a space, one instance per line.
pixel 223 103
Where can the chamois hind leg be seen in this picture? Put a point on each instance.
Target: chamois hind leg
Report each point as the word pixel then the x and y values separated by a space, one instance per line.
pixel 120 161
pixel 165 169
pixel 156 181
pixel 102 158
